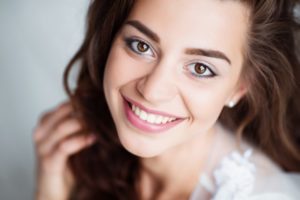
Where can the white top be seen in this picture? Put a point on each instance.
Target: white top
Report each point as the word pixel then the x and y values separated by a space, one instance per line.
pixel 243 173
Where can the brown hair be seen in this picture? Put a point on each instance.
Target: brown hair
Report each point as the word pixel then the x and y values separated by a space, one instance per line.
pixel 267 115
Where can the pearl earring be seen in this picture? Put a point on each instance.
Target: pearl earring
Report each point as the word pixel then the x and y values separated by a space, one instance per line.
pixel 231 104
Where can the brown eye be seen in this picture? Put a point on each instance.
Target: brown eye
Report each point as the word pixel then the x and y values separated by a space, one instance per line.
pixel 139 47
pixel 142 47
pixel 200 68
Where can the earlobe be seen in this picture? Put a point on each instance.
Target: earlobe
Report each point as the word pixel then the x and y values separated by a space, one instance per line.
pixel 235 98
pixel 231 104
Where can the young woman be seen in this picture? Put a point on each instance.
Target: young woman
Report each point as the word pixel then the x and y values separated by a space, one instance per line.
pixel 185 99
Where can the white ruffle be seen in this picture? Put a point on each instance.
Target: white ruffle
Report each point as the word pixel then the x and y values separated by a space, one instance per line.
pixel 234 178
pixel 252 175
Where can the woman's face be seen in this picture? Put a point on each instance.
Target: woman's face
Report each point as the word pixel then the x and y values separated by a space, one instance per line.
pixel 172 68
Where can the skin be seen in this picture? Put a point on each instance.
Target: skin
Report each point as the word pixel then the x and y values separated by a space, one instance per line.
pixel 161 79
pixel 56 138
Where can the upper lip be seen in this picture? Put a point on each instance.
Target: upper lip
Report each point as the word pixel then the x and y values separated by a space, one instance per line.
pixel 150 110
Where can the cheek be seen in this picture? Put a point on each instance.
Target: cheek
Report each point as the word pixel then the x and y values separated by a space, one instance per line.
pixel 121 68
pixel 115 75
pixel 206 104
pixel 116 71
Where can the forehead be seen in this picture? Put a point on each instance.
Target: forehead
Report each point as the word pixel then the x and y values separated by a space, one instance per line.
pixel 211 24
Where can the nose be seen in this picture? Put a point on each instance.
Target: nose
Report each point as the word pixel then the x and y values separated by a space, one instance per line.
pixel 159 85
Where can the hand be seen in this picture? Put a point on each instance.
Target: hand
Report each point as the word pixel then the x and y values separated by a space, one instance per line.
pixel 57 138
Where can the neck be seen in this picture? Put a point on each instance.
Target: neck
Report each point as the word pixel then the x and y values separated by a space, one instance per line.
pixel 181 164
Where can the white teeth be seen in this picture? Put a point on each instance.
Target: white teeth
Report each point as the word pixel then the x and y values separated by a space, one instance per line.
pixel 143 115
pixel 158 120
pixel 149 117
pixel 165 120
pixel 137 111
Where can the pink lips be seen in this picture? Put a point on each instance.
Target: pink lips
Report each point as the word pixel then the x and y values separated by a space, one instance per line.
pixel 144 125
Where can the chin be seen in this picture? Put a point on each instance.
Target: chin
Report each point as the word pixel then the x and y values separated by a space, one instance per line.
pixel 142 153
pixel 143 149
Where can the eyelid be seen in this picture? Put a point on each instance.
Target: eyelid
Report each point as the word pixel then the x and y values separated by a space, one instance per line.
pixel 207 65
pixel 200 60
pixel 129 40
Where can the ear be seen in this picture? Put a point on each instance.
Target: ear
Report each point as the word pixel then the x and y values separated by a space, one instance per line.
pixel 239 91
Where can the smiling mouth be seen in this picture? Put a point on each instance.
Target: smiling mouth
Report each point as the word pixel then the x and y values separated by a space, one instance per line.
pixel 148 120
pixel 150 117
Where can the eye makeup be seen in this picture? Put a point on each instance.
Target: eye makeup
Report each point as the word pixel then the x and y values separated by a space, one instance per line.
pixel 200 70
pixel 196 68
pixel 139 46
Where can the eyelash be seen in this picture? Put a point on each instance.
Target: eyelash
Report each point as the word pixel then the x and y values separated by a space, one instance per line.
pixel 130 44
pixel 193 72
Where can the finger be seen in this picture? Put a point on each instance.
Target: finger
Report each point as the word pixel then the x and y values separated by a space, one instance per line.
pixel 49 120
pixel 57 159
pixel 63 107
pixel 64 129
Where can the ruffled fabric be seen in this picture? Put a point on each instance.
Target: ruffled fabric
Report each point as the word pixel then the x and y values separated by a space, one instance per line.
pixel 242 172
pixel 235 179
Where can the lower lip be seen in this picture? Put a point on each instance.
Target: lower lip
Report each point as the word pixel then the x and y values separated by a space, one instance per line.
pixel 144 125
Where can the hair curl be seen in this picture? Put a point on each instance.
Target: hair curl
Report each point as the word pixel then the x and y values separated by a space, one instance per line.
pixel 267 115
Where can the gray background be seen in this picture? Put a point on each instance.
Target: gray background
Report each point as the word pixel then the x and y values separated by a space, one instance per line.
pixel 37 39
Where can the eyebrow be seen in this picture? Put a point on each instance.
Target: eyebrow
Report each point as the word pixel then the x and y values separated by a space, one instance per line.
pixel 144 29
pixel 208 53
pixel 191 51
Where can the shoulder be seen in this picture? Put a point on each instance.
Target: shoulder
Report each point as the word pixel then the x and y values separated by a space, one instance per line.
pixel 271 181
pixel 272 196
pixel 253 176
pixel 247 173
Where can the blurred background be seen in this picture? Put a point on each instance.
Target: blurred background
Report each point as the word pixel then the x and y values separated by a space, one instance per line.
pixel 37 39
